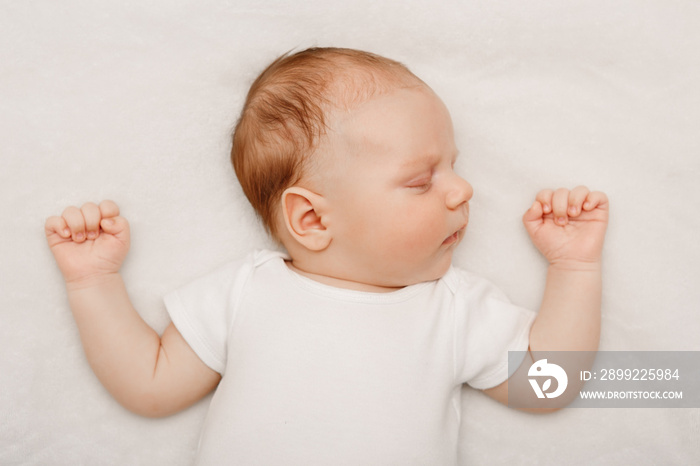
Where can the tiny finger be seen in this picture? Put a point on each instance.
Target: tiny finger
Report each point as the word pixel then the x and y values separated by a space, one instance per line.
pixel 544 197
pixel 533 217
pixel 75 222
pixel 57 225
pixel 560 203
pixel 576 198
pixel 595 199
pixel 533 213
pixel 117 226
pixel 91 214
pixel 109 209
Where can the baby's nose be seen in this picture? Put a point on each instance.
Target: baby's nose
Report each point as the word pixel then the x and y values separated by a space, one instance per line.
pixel 460 193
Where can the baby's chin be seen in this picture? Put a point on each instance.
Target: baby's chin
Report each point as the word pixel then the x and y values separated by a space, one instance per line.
pixel 425 274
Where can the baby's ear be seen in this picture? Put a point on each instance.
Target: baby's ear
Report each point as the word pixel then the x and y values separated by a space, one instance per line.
pixel 303 218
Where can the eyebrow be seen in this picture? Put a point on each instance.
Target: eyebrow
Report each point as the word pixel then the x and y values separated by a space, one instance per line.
pixel 427 160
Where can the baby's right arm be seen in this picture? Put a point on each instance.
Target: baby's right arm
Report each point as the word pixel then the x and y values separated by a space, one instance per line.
pixel 150 375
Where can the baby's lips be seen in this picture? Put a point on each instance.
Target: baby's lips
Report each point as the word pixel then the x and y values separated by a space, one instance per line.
pixel 452 238
pixel 455 236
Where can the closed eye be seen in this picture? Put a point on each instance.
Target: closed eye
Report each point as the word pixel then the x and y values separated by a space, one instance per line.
pixel 421 185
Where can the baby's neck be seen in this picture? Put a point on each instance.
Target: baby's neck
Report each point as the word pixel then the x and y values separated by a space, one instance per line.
pixel 341 283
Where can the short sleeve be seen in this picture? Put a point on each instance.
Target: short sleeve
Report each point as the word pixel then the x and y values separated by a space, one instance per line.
pixel 203 311
pixel 487 327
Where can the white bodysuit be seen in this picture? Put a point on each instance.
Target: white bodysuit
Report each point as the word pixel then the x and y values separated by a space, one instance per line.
pixel 317 375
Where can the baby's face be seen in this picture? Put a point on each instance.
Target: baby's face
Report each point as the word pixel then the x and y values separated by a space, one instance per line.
pixel 398 209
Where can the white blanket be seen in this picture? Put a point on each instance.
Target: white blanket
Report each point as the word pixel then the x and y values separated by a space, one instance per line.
pixel 134 101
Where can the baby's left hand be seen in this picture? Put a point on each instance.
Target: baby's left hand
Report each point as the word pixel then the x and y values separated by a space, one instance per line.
pixel 568 227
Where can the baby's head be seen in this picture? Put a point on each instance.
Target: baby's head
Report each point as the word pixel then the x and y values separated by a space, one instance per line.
pixel 338 150
pixel 287 112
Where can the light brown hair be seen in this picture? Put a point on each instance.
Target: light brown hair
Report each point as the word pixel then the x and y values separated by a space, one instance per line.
pixel 286 113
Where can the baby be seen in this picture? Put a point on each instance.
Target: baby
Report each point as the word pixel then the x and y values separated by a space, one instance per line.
pixel 352 347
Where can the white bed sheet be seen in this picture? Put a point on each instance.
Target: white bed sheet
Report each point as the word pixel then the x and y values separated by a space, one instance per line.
pixel 134 101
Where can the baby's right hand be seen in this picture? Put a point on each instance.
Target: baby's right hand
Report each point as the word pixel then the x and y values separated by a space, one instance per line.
pixel 88 242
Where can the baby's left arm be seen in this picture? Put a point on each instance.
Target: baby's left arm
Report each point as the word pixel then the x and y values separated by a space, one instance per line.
pixel 568 228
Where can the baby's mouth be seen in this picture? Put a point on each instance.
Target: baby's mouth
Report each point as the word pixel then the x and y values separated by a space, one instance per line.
pixel 454 237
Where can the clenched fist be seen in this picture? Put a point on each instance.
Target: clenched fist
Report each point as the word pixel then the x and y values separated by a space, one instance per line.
pixel 568 226
pixel 89 242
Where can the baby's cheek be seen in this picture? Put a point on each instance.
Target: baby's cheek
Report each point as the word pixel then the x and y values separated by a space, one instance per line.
pixel 418 237
pixel 410 226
